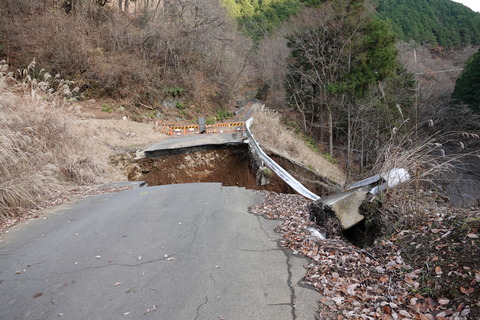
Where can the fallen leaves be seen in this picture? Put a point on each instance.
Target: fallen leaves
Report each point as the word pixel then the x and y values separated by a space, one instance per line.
pixel 376 283
pixel 466 291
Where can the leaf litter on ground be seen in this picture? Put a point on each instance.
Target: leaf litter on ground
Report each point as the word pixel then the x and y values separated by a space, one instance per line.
pixel 384 281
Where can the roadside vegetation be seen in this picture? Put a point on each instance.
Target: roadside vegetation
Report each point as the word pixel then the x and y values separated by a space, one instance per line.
pixel 350 92
pixel 189 52
pixel 42 153
pixel 274 136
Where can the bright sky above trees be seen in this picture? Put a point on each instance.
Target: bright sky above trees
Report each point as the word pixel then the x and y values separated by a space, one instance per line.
pixel 472 4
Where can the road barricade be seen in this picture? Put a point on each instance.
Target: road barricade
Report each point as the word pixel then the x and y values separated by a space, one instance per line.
pixel 180 130
pixel 226 127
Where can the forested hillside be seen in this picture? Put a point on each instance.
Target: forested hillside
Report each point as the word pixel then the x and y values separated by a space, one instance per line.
pixel 259 18
pixel 433 22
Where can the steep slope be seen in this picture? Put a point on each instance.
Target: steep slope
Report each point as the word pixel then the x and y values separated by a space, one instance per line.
pixel 435 22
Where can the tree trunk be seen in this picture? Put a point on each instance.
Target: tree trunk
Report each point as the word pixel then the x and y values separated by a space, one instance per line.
pixel 159 5
pixel 120 2
pixel 321 121
pixel 330 130
pixel 363 147
pixel 349 140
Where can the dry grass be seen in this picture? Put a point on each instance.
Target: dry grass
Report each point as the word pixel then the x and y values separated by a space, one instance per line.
pixel 424 152
pixel 119 135
pixel 41 152
pixel 429 158
pixel 273 135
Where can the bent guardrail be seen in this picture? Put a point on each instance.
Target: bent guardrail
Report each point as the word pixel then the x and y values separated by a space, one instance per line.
pixel 284 175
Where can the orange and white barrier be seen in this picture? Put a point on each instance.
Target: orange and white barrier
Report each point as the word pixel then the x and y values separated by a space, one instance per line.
pixel 173 130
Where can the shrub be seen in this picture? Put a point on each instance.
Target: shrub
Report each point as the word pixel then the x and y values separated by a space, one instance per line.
pixel 175 91
pixel 180 106
pixel 210 120
pixel 223 114
pixel 329 157
pixel 115 55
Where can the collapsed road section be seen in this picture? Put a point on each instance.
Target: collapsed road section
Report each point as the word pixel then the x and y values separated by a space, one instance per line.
pixel 236 159
pixel 224 158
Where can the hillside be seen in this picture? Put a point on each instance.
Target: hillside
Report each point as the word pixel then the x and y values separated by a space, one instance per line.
pixel 433 22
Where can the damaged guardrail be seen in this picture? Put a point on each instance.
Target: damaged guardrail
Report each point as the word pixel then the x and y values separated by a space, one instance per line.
pixel 346 205
pixel 282 173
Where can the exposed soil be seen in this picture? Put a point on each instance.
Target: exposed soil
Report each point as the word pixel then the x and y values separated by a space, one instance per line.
pixel 312 181
pixel 230 166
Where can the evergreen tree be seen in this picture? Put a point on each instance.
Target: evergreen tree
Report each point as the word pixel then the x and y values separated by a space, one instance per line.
pixel 338 52
pixel 467 88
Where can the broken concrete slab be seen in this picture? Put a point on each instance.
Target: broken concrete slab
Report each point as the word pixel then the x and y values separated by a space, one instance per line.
pixel 346 206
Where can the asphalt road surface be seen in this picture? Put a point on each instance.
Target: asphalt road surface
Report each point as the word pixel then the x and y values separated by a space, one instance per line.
pixel 189 251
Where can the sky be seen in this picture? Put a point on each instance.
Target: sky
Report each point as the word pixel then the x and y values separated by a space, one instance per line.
pixel 472 4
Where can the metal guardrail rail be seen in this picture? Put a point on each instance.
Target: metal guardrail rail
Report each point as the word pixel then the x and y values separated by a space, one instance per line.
pixel 284 175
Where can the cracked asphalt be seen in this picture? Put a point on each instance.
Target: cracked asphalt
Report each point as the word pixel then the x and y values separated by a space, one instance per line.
pixel 188 251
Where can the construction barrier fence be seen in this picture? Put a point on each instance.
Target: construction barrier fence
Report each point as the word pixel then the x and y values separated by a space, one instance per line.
pixel 176 130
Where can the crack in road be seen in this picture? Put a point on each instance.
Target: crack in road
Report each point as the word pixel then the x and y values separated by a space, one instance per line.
pixel 200 306
pixel 260 250
pixel 211 277
pixel 96 267
pixel 292 289
pixel 116 264
pixel 263 229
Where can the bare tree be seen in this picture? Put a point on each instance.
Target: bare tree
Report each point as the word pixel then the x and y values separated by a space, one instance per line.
pixel 123 5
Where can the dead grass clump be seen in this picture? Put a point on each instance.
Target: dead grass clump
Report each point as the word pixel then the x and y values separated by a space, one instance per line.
pixel 41 153
pixel 430 158
pixel 272 134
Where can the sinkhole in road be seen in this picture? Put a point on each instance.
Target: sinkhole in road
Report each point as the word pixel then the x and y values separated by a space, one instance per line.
pixel 230 165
